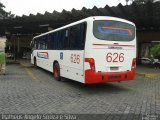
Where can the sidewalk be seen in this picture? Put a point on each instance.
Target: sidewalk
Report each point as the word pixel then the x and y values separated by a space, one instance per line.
pixel 141 70
pixel 25 62
pixel 147 71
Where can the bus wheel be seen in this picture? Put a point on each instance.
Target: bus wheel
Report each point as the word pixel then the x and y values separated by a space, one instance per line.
pixel 35 62
pixel 56 71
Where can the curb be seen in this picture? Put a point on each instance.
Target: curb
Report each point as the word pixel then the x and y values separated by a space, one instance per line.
pixel 152 76
pixel 25 65
pixel 12 62
pixel 140 74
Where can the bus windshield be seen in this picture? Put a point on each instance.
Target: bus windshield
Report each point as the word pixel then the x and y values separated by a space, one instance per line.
pixel 113 30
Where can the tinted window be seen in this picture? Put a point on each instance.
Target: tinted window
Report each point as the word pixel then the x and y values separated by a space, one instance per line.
pixel 77 36
pixel 35 44
pixel 113 30
pixel 66 39
pixel 69 38
pixel 63 39
pixel 58 40
pixel 74 36
pixel 82 35
pixel 50 42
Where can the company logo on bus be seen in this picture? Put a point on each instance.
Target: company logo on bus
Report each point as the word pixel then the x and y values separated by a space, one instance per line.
pixel 114 30
pixel 43 55
pixel 113 47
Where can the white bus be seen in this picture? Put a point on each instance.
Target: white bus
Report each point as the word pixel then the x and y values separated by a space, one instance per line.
pixel 93 50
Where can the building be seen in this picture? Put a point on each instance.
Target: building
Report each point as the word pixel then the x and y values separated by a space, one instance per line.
pixel 20 30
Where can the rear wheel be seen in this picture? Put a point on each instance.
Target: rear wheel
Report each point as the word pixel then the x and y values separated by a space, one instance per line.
pixel 56 71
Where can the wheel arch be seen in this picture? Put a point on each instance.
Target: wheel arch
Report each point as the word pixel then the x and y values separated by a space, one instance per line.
pixel 34 58
pixel 54 62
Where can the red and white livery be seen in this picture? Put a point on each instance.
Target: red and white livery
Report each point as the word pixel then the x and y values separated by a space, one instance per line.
pixel 93 50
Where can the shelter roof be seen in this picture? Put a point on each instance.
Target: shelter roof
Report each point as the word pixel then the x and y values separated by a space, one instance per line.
pixel 145 16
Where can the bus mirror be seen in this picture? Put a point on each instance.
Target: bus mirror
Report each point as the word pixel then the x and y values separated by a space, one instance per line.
pixel 31 44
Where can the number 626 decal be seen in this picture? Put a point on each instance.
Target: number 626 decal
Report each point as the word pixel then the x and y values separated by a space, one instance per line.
pixel 115 57
pixel 75 58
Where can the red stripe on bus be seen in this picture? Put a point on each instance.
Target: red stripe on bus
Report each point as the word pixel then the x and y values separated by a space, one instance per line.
pixel 112 28
pixel 114 45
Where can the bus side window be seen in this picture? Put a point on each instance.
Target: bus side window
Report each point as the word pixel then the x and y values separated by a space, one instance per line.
pixel 66 40
pixel 77 36
pixel 74 36
pixel 49 41
pixel 39 43
pixel 82 36
pixel 36 43
pixel 66 33
pixel 45 46
pixel 55 40
pixel 59 40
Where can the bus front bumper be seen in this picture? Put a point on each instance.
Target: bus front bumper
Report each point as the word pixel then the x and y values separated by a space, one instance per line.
pixel 92 77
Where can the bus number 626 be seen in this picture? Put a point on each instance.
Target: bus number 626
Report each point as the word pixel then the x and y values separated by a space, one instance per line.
pixel 75 58
pixel 115 57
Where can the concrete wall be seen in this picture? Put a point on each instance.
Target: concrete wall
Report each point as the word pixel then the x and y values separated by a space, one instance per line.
pixel 2 42
pixel 148 36
pixel 145 42
pixel 19 45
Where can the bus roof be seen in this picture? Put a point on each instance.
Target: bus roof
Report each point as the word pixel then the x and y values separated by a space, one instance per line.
pixel 85 20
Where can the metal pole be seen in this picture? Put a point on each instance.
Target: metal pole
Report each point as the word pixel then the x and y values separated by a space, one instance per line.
pixel 14 49
pixel 18 44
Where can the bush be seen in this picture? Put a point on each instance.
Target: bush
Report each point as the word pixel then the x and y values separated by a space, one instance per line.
pixel 155 51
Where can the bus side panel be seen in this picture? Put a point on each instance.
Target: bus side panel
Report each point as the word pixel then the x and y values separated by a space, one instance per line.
pixel 70 62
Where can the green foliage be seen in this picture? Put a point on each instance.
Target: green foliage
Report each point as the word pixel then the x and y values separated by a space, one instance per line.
pixel 155 51
pixel 140 1
pixel 3 13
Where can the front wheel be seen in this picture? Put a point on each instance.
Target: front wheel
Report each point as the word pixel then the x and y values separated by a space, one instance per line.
pixel 56 71
pixel 35 62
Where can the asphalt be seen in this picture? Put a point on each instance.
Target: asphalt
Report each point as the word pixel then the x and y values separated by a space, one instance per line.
pixel 141 70
pixel 29 90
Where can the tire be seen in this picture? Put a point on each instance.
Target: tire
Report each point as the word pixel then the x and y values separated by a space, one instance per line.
pixel 35 62
pixel 56 71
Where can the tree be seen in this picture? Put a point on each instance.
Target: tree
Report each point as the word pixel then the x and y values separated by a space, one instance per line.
pixel 3 13
pixel 140 1
pixel 155 51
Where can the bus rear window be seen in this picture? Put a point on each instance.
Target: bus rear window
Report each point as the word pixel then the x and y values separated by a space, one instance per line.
pixel 113 30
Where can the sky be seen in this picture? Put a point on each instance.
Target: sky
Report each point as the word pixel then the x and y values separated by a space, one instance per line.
pixel 26 7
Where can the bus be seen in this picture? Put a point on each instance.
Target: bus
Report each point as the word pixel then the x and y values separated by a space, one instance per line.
pixel 94 50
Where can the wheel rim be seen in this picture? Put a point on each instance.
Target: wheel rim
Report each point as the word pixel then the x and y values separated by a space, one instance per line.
pixel 56 72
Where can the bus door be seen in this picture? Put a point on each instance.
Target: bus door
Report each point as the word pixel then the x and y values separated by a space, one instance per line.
pixel 76 57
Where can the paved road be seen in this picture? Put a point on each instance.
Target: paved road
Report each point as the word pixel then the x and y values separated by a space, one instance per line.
pixel 31 90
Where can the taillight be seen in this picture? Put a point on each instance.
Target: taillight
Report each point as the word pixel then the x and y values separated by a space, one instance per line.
pixel 134 63
pixel 91 63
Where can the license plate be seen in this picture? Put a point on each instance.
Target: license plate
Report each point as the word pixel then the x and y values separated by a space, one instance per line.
pixel 114 77
pixel 113 68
